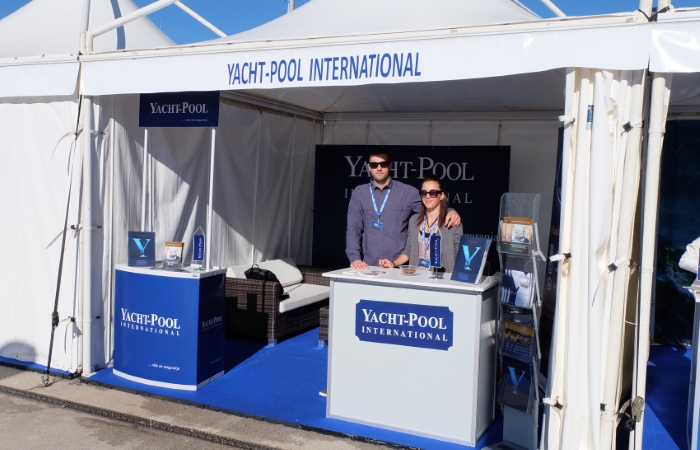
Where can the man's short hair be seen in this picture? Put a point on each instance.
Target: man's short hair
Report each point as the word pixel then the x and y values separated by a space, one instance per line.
pixel 379 151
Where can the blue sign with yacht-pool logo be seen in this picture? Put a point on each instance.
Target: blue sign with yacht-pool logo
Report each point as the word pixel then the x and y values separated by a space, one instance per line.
pixel 179 109
pixel 406 324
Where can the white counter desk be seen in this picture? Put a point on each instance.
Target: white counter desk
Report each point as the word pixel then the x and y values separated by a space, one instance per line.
pixel 412 354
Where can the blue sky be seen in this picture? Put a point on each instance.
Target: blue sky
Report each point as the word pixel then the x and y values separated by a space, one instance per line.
pixel 233 16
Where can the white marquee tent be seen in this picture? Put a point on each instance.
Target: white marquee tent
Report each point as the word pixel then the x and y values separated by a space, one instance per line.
pixel 480 73
pixel 41 155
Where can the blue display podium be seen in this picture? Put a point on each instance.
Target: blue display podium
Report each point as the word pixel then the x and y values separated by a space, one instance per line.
pixel 169 326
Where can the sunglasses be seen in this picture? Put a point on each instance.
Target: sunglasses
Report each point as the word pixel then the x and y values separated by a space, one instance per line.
pixel 374 165
pixel 432 193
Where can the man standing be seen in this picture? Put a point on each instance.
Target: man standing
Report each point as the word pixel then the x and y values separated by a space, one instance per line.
pixel 378 215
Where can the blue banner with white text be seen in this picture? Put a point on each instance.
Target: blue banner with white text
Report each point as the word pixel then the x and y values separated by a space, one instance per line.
pixel 411 325
pixel 179 109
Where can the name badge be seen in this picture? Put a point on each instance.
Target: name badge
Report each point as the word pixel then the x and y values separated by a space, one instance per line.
pixel 424 263
pixel 377 225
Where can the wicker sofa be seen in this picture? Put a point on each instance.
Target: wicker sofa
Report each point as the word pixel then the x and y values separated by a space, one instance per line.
pixel 256 309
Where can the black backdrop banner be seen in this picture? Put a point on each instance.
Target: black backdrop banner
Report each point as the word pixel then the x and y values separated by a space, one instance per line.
pixel 679 225
pixel 474 177
pixel 549 293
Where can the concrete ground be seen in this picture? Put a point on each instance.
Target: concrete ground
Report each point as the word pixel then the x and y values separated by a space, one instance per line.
pixel 74 414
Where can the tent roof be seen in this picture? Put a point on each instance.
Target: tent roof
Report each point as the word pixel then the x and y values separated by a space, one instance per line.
pixel 45 37
pixel 409 56
pixel 328 18
pixel 335 57
pixel 52 27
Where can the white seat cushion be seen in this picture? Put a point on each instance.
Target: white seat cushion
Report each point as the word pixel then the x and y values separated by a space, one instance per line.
pixel 304 294
pixel 237 271
pixel 284 269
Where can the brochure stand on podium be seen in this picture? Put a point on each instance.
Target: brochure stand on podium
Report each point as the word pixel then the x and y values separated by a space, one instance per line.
pixel 518 321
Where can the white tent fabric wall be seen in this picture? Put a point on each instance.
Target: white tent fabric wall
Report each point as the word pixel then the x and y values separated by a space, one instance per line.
pixel 38 158
pixel 595 150
pixel 263 184
pixel 38 105
pixel 533 145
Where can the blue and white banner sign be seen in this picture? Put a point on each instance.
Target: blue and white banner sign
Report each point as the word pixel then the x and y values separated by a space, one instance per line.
pixel 198 247
pixel 179 109
pixel 404 324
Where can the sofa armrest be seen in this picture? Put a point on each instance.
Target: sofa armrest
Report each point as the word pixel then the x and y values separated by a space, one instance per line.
pixel 266 293
pixel 312 275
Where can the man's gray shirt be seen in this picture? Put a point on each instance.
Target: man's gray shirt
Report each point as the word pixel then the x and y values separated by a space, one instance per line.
pixel 362 242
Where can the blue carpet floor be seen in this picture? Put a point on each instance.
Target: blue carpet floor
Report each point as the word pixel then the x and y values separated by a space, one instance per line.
pixel 281 384
pixel 33 366
pixel 668 378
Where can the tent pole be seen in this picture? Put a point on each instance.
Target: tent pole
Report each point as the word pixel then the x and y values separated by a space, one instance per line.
pixel 290 6
pixel 146 10
pixel 657 121
pixel 110 237
pixel 200 19
pixel 552 7
pixel 620 278
pixel 658 110
pixel 86 234
pixel 84 25
pixel 211 197
pixel 143 180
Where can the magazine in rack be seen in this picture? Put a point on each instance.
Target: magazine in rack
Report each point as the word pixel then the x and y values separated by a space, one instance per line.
pixel 518 340
pixel 516 384
pixel 517 288
pixel 516 235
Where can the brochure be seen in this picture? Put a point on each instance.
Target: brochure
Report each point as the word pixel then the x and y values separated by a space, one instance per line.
pixel 516 384
pixel 141 249
pixel 173 254
pixel 471 258
pixel 516 235
pixel 517 288
pixel 518 340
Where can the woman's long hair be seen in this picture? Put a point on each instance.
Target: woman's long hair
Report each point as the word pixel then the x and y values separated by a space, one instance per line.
pixel 443 204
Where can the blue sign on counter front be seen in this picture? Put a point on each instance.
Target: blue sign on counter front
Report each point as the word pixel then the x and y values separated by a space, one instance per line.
pixel 404 324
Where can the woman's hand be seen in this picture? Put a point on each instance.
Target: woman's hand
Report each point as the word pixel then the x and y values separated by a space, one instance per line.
pixel 386 264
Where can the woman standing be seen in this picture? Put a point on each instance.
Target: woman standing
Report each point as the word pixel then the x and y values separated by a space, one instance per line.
pixel 425 226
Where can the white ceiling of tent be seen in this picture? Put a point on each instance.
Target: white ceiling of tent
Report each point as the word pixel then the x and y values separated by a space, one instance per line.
pixel 52 27
pixel 330 18
pixel 534 92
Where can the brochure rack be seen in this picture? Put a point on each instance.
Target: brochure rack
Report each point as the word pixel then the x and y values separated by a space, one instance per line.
pixel 518 319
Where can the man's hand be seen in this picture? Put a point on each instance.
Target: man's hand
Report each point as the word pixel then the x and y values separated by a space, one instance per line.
pixel 386 264
pixel 452 219
pixel 359 265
